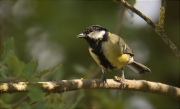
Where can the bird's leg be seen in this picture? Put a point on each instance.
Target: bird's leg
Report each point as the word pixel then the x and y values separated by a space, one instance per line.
pixel 103 78
pixel 122 79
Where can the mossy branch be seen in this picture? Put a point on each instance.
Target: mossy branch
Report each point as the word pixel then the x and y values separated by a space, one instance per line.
pixel 71 85
pixel 159 27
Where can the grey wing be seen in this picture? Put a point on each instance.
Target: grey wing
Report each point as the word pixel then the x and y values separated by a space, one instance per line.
pixel 122 46
pixel 125 48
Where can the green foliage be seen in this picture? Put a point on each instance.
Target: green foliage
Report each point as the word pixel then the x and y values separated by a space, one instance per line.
pixel 14 64
pixel 12 67
pixel 40 74
pixel 10 64
pixel 8 48
pixel 25 105
pixel 3 70
pixel 81 94
pixel 30 68
pixel 35 93
pixel 3 104
pixel 54 70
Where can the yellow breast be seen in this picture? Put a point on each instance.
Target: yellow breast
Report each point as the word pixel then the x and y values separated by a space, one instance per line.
pixel 113 53
pixel 96 58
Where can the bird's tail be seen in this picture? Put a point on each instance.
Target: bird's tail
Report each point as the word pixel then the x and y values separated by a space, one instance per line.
pixel 138 67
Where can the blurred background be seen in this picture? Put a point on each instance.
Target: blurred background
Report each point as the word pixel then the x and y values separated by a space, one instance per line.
pixel 46 30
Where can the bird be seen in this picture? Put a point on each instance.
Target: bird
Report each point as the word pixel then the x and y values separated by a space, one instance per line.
pixel 110 52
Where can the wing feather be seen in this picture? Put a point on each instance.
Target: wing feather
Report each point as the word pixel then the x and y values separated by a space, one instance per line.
pixel 122 45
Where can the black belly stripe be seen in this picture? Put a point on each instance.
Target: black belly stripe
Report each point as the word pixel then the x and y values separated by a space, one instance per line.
pixel 104 62
pixel 96 48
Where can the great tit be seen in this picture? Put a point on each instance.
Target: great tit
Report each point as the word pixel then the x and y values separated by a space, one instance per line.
pixel 110 51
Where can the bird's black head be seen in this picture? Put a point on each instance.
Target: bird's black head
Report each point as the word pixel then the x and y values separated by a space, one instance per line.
pixel 95 32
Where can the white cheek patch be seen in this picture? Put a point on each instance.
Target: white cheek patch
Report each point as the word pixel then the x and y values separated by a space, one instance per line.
pixel 97 34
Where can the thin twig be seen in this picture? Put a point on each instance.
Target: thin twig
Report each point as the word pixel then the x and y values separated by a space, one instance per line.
pixel 127 5
pixel 159 28
pixel 19 102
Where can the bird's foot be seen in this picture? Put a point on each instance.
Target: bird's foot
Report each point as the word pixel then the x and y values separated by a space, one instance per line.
pixel 103 78
pixel 121 80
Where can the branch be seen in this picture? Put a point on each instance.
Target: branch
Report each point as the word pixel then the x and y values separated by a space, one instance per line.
pixel 127 5
pixel 159 28
pixel 70 85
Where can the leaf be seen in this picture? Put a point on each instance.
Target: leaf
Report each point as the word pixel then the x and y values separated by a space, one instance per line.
pixel 30 68
pixel 3 71
pixel 51 70
pixel 14 64
pixel 35 93
pixel 8 48
pixel 38 75
pixel 79 97
pixel 4 105
pixel 24 105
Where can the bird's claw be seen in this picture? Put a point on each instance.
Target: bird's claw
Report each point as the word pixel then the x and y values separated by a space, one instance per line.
pixel 122 82
pixel 103 78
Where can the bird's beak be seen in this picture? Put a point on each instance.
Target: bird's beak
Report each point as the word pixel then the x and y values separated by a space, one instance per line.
pixel 81 35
